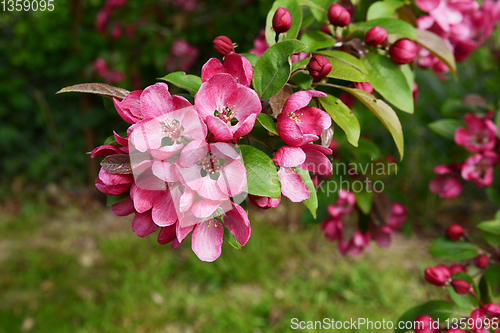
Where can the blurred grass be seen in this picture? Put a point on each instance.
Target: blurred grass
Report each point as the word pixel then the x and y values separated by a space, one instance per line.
pixel 74 271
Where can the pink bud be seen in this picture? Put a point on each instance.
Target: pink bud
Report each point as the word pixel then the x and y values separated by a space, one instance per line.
pixel 375 36
pixel 282 20
pixel 403 51
pixel 462 287
pixel 264 202
pixel 454 232
pixel 347 100
pixel 455 268
pixel 223 45
pixel 438 275
pixel 366 86
pixel 425 324
pixel 319 67
pixel 326 29
pixel 338 15
pixel 481 261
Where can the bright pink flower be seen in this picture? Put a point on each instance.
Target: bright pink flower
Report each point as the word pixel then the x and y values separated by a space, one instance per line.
pixel 228 108
pixel 398 216
pixel 214 171
pixel 332 228
pixel 264 202
pixel 446 186
pixel 299 124
pixel 208 235
pixel 345 204
pixel 236 65
pixel 130 107
pixel 381 235
pixel 356 245
pixel 425 324
pixel 479 136
pixel 479 168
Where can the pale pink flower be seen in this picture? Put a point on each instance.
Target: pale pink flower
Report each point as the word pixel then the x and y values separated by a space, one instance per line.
pixel 228 108
pixel 299 124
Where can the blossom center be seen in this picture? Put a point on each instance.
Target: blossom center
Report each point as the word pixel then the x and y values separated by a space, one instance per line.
pixel 479 138
pixel 482 166
pixel 210 165
pixel 294 117
pixel 227 114
pixel 171 128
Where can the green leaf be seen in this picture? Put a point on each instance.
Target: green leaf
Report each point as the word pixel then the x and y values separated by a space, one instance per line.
pixel 112 199
pixel 453 250
pixel 231 240
pixel 250 57
pixel 492 227
pixel 364 200
pixel 462 301
pixel 392 26
pixel 493 240
pixel 317 40
pixel 438 310
pixel 383 112
pixel 191 83
pixel 296 13
pixel 267 122
pixel 438 48
pixel 317 8
pixel 492 276
pixel 312 202
pixel 381 9
pixel 100 89
pixel 493 194
pixel 273 68
pixel 343 117
pixel 262 178
pixel 497 122
pixel 409 75
pixel 387 78
pixel 303 80
pixel 446 127
pixel 345 66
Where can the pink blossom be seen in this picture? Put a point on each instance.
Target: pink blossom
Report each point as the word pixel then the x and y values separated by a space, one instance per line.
pixel 479 136
pixel 101 20
pixel 236 65
pixel 332 227
pixel 299 124
pixel 308 157
pixel 356 245
pixel 479 168
pixel 448 184
pixel 236 107
pixel 260 44
pixel 345 204
pixel 292 185
pixel 382 234
pixel 109 183
pixel 182 56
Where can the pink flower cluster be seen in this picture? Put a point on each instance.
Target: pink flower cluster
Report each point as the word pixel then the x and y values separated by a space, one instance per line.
pixel 480 138
pixel 108 75
pixel 103 16
pixel 334 230
pixel 463 24
pixel 182 56
pixel 182 180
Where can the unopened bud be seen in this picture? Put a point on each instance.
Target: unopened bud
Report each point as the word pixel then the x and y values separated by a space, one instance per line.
pixel 425 324
pixel 455 268
pixel 481 261
pixel 403 51
pixel 264 202
pixel 454 232
pixel 462 287
pixel 366 86
pixel 338 15
pixel 375 36
pixel 223 45
pixel 319 67
pixel 326 29
pixel 347 99
pixel 282 21
pixel 438 275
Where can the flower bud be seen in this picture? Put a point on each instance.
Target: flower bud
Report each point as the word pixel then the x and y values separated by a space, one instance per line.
pixel 319 67
pixel 481 261
pixel 438 275
pixel 264 202
pixel 282 20
pixel 223 45
pixel 403 51
pixel 426 324
pixel 455 268
pixel 462 287
pixel 454 232
pixel 347 100
pixel 338 15
pixel 375 36
pixel 326 29
pixel 366 86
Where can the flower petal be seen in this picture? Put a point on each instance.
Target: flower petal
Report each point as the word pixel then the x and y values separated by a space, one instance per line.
pixel 237 222
pixel 288 156
pixel 292 185
pixel 124 207
pixel 143 224
pixel 207 240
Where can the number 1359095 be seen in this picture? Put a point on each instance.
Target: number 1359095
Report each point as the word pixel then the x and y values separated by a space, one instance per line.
pixel 27 5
